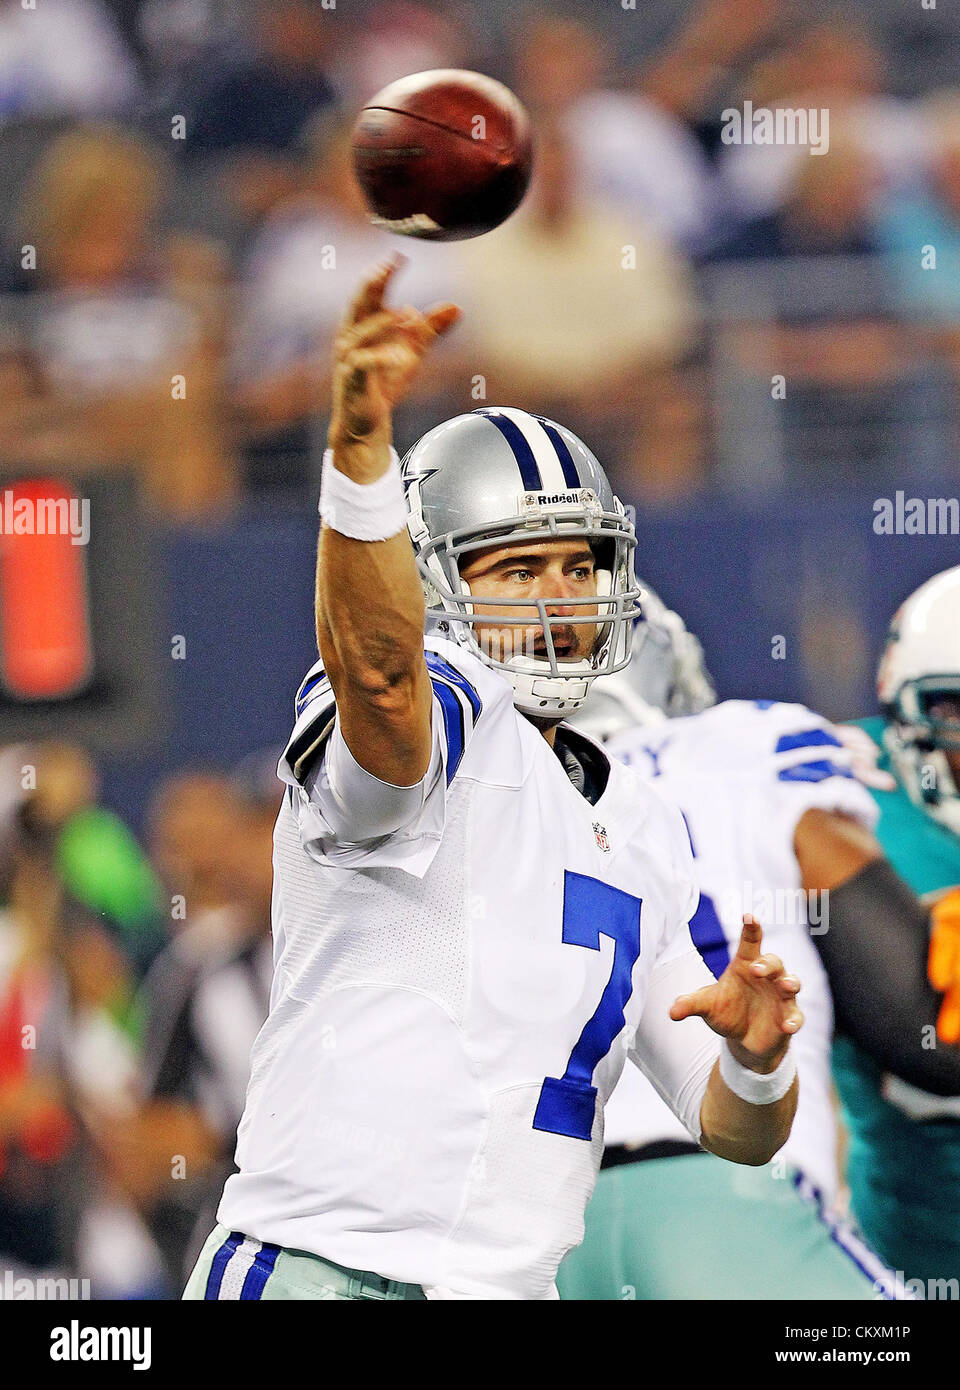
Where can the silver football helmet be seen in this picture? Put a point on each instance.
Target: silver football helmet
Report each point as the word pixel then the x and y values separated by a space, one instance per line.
pixel 497 476
pixel 667 677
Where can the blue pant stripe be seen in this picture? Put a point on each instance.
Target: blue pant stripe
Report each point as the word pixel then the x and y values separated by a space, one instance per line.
pixel 220 1261
pixel 852 1245
pixel 259 1272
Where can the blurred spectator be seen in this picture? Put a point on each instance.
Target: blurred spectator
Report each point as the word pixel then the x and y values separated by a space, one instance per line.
pixel 63 57
pixel 861 395
pixel 837 69
pixel 928 215
pixel 40 1198
pixel 826 210
pixel 205 1001
pixel 264 102
pixel 297 282
pixel 398 37
pixel 628 150
pixel 191 829
pixel 67 1060
pixel 586 315
pixel 97 861
pixel 92 379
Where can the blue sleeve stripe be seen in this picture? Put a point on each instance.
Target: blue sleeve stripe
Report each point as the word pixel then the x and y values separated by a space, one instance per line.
pixel 453 728
pixel 301 743
pixel 305 689
pixel 816 771
pixel 809 738
pixel 440 667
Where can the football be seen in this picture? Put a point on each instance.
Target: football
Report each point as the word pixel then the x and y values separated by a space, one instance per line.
pixel 444 155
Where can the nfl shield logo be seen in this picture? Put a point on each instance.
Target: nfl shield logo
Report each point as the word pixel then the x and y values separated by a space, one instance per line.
pixel 601 834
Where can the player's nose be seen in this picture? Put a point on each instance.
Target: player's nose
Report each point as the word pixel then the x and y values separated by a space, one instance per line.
pixel 558 586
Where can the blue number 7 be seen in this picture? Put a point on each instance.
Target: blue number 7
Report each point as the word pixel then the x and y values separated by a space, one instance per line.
pixel 591 908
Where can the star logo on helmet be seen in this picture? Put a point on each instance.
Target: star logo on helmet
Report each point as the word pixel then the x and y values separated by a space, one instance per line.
pixel 411 478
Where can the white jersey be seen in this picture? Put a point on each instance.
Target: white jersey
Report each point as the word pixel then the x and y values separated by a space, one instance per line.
pixel 452 1003
pixel 743 773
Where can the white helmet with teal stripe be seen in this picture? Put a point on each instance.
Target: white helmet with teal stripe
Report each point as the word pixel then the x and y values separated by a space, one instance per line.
pixel 919 688
pixel 498 476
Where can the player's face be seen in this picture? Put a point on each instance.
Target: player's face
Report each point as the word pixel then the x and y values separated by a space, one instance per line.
pixel 948 710
pixel 556 570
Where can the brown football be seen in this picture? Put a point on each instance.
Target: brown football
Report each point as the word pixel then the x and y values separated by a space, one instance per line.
pixel 444 155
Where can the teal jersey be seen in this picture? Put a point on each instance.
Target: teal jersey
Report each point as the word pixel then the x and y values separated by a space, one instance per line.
pixel 904 1174
pixel 924 853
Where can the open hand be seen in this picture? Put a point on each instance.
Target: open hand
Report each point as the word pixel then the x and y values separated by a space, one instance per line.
pixel 752 1005
pixel 376 355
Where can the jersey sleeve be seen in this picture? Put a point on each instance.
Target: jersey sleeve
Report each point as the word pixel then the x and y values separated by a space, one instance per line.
pixel 677 1058
pixel 351 819
pixel 805 767
pixel 678 853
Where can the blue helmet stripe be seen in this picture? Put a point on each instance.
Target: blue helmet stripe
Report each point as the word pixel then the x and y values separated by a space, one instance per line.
pixel 522 452
pixel 570 475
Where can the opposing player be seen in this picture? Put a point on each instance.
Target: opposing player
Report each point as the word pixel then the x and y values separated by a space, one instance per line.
pixel 476 914
pixel 904 1160
pixel 779 825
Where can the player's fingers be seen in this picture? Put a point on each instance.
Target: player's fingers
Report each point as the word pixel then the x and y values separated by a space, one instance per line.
pixel 442 317
pixel 788 986
pixel 369 296
pixel 370 329
pixel 694 1005
pixel 388 357
pixel 792 1021
pixel 748 947
pixel 767 965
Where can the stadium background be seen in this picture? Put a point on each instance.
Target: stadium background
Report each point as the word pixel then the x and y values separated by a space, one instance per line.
pixel 180 168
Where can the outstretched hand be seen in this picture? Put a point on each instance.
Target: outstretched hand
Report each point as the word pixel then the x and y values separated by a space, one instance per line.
pixel 376 355
pixel 752 1005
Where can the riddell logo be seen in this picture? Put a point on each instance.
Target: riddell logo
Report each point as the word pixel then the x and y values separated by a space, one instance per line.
pixel 546 499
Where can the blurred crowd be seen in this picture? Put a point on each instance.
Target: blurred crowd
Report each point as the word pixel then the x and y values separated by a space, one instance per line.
pixel 132 985
pixel 182 230
pixel 179 234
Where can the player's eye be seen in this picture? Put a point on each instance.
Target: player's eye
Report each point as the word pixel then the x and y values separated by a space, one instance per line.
pixel 520 574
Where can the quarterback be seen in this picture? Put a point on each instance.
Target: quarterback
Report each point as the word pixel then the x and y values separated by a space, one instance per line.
pixel 477 916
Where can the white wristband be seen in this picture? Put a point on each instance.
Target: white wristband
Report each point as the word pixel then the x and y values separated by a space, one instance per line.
pixel 757 1088
pixel 366 511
